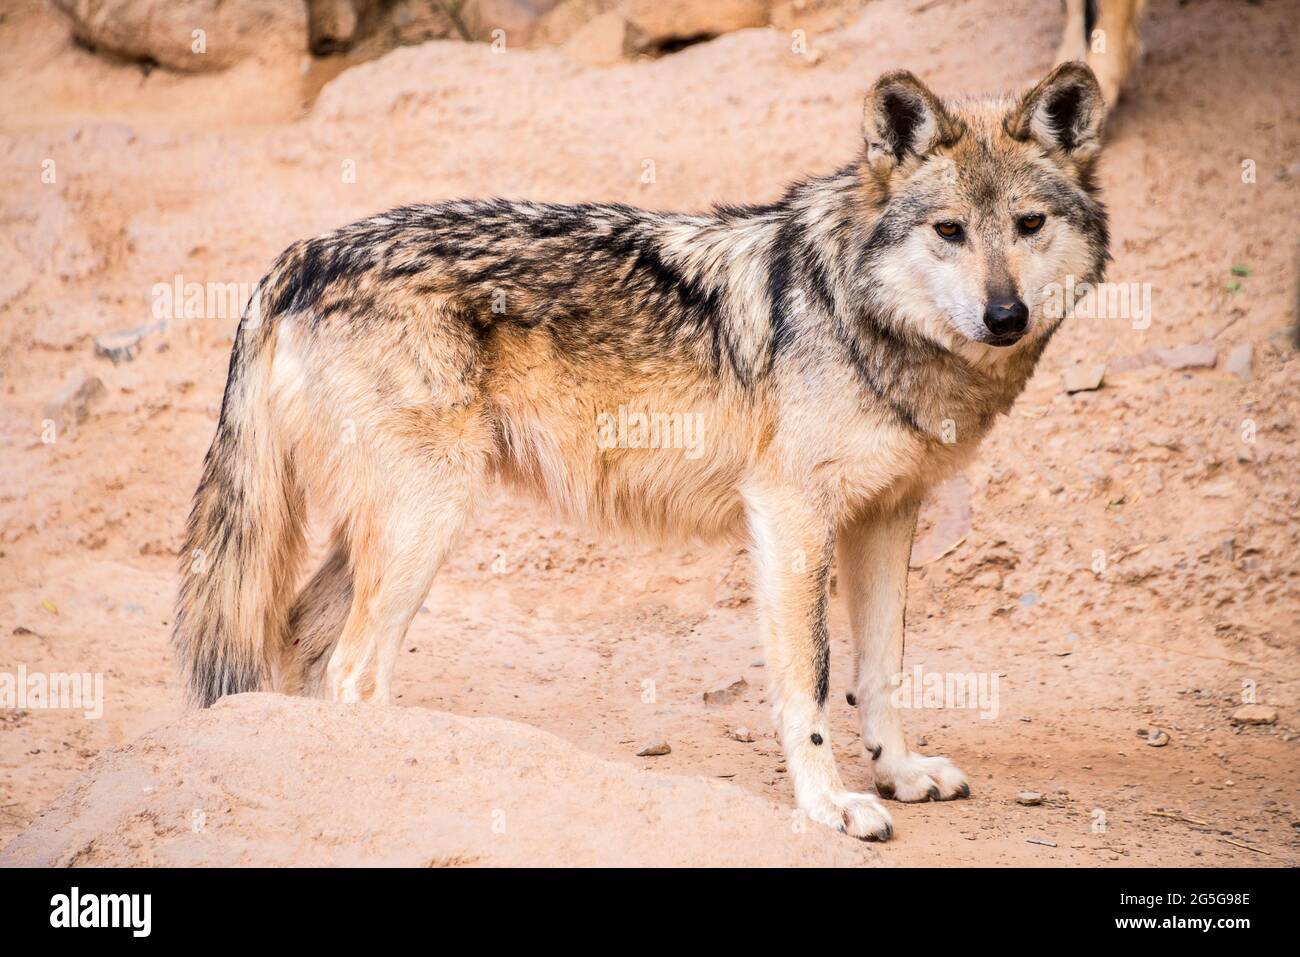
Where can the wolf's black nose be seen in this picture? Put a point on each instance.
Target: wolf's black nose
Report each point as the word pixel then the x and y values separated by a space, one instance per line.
pixel 1006 317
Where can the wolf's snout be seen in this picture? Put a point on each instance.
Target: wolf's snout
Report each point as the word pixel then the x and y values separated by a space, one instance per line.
pixel 1006 319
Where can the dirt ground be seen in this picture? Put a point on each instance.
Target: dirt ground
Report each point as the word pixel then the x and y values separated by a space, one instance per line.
pixel 1131 559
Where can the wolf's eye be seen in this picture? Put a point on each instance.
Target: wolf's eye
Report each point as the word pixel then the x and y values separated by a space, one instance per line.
pixel 951 231
pixel 1031 224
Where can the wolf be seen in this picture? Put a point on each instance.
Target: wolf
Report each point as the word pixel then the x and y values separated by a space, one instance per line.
pixel 842 350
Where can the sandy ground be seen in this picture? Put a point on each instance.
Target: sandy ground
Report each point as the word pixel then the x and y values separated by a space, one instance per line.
pixel 1131 562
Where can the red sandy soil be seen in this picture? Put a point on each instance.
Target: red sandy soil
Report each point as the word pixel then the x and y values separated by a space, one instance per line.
pixel 209 177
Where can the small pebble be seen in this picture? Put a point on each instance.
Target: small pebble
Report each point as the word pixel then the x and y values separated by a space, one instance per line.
pixel 726 691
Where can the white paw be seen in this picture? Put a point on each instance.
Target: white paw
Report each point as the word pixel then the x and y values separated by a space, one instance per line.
pixel 859 815
pixel 916 777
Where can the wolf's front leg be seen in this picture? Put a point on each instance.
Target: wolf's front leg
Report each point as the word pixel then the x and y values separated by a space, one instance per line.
pixel 874 555
pixel 793 546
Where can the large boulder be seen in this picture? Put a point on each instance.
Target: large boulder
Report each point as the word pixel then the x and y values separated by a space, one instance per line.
pixel 517 20
pixel 189 35
pixel 665 21
pixel 270 781
pixel 650 25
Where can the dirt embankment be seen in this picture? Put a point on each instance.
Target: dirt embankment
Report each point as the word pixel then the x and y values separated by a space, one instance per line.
pixel 269 781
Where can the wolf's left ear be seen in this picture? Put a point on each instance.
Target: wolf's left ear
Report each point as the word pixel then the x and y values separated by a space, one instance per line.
pixel 902 118
pixel 1063 113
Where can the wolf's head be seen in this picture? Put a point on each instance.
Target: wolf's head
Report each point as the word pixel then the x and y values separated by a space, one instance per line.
pixel 983 206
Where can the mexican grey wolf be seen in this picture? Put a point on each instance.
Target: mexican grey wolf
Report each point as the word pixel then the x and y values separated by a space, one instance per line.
pixel 847 346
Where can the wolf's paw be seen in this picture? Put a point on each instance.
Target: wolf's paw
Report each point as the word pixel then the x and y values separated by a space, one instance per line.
pixel 916 777
pixel 858 815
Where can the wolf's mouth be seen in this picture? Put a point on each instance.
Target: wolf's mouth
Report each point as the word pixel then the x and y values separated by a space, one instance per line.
pixel 1002 342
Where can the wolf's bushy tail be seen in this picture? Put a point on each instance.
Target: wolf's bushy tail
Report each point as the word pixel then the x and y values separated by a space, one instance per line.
pixel 245 537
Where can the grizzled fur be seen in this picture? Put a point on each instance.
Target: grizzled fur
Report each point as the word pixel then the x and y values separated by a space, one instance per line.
pixel 836 346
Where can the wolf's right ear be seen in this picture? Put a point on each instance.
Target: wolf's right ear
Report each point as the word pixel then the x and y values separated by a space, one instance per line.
pixel 903 118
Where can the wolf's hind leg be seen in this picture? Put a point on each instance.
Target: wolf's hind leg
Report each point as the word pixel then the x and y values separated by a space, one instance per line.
pixel 874 554
pixel 315 623
pixel 792 554
pixel 402 524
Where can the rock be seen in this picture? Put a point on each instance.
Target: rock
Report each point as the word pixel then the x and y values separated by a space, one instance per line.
pixel 224 787
pixel 1285 341
pixel 566 19
pixel 1083 378
pixel 656 750
pixel 662 22
pixel 602 41
pixel 163 31
pixel 331 25
pixel 73 405
pixel 651 25
pixel 1240 361
pixel 519 19
pixel 726 692
pixel 741 734
pixel 1156 738
pixel 1029 798
pixel 1222 488
pixel 1254 714
pixel 1199 356
pixel 412 22
pixel 119 347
